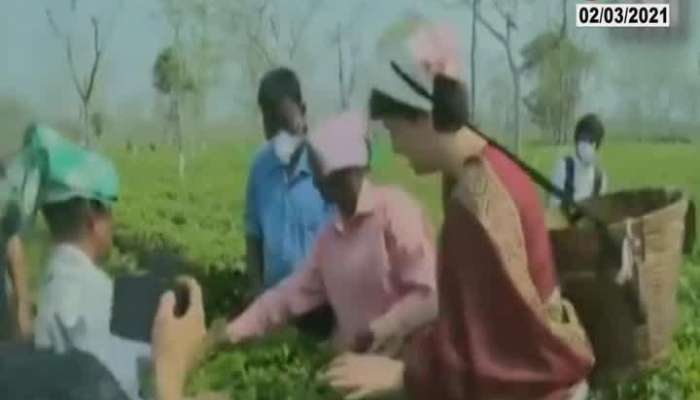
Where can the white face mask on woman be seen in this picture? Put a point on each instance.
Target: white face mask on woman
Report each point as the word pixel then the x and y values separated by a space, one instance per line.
pixel 586 152
pixel 285 144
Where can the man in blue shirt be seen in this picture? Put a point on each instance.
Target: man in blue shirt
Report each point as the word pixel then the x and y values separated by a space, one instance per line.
pixel 284 210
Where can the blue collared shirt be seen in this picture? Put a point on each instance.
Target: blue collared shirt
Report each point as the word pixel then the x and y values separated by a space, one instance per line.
pixel 285 211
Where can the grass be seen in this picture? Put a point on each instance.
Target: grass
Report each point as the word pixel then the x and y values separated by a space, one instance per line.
pixel 201 218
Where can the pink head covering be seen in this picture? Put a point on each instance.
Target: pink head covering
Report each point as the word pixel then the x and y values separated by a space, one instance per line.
pixel 341 142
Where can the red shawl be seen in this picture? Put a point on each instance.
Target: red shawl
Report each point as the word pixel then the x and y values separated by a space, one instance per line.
pixel 488 341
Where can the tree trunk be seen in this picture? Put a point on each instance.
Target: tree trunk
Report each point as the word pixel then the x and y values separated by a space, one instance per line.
pixel 516 123
pixel 516 104
pixel 178 134
pixel 341 73
pixel 86 127
pixel 515 74
pixel 472 100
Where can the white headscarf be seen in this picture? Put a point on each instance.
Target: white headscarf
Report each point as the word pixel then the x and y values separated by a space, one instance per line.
pixel 421 50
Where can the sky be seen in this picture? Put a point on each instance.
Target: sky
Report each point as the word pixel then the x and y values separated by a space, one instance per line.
pixel 33 67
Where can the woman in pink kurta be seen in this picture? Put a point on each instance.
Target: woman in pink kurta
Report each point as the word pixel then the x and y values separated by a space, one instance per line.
pixel 374 264
pixel 503 330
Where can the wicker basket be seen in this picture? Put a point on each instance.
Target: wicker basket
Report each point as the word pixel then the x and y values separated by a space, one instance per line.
pixel 630 324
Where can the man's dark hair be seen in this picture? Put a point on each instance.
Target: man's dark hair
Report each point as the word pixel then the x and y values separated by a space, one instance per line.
pixel 67 219
pixel 276 85
pixel 449 100
pixel 589 128
pixel 384 106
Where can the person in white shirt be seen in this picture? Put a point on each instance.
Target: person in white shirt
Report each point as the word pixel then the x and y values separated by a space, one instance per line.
pixel 580 175
pixel 75 296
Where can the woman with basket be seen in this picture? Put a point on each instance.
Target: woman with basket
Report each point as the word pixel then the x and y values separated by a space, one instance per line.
pixel 503 331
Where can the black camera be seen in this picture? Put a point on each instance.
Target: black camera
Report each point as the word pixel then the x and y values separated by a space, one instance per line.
pixel 136 298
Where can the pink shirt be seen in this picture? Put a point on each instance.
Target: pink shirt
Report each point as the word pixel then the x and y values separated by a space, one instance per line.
pixel 378 263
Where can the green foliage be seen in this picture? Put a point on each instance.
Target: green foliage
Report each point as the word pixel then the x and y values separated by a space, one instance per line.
pixel 563 65
pixel 197 218
pixel 197 29
pixel 200 217
pixel 170 75
pixel 680 377
pixel 282 367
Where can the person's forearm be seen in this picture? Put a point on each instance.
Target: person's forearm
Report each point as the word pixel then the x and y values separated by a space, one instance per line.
pixel 413 311
pixel 167 387
pixel 295 296
pixel 264 315
pixel 18 269
pixel 18 276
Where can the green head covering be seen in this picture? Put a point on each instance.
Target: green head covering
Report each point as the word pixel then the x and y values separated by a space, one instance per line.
pixel 66 170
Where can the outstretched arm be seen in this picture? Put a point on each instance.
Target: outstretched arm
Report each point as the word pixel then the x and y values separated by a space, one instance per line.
pixel 18 275
pixel 296 295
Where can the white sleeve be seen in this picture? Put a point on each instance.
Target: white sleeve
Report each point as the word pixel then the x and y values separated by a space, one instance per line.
pixel 558 179
pixel 60 323
pixel 125 359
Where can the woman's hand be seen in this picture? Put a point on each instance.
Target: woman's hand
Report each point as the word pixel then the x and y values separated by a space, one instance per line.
pixel 364 376
pixel 178 342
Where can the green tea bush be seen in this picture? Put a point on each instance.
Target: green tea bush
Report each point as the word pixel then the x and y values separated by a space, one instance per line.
pixel 282 367
pixel 200 218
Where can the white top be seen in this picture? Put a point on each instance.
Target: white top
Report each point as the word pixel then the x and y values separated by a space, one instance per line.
pixel 79 295
pixel 584 180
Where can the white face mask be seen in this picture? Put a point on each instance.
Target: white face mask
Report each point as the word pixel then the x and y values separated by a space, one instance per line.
pixel 586 152
pixel 284 145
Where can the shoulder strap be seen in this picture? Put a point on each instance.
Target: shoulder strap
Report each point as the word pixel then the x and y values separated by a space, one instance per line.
pixel 569 180
pixel 573 210
pixel 597 182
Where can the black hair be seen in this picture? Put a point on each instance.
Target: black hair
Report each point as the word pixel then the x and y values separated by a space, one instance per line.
pixel 590 128
pixel 67 219
pixel 450 105
pixel 382 106
pixel 449 99
pixel 276 85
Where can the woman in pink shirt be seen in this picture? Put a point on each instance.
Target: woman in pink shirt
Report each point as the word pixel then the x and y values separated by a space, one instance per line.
pixel 374 264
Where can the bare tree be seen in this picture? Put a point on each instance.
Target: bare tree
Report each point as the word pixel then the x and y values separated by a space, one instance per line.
pixel 269 36
pixel 505 37
pixel 346 72
pixel 85 86
pixel 348 50
pixel 296 31
pixel 472 81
